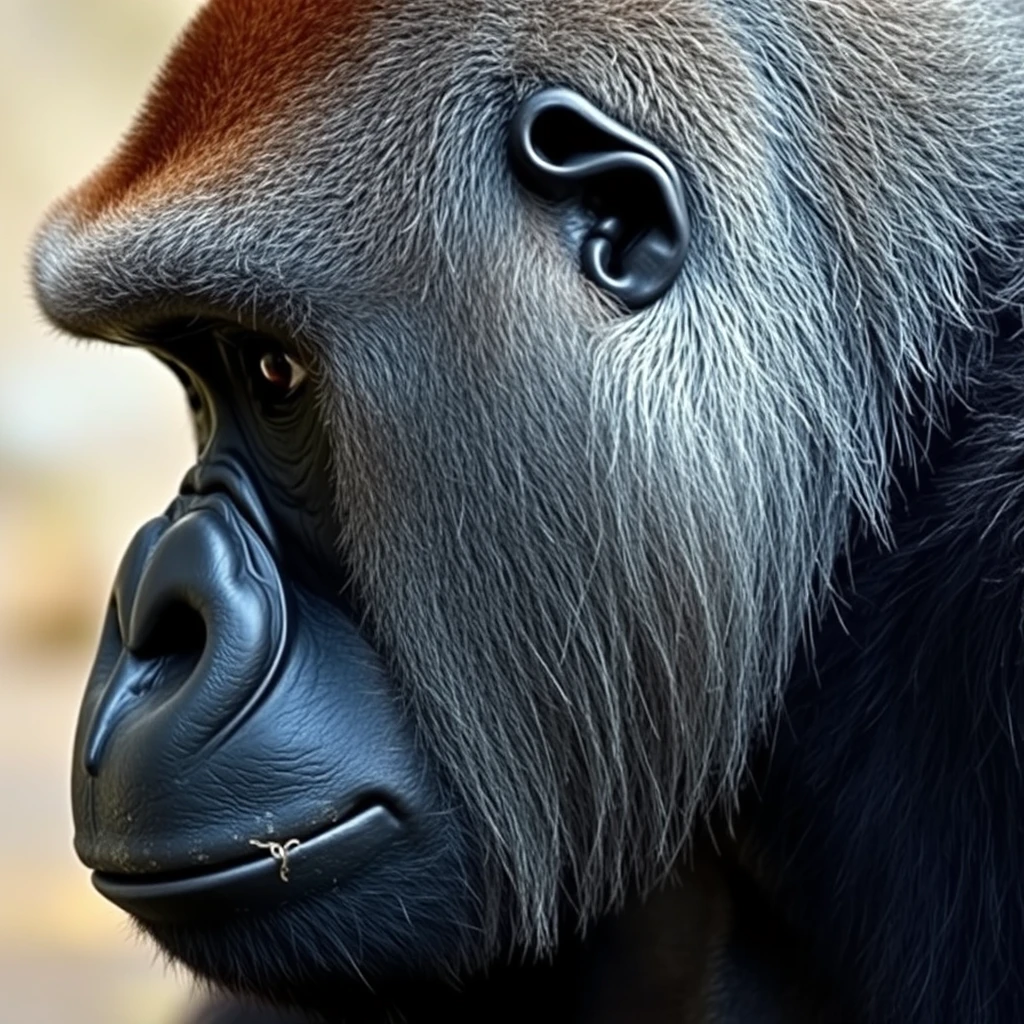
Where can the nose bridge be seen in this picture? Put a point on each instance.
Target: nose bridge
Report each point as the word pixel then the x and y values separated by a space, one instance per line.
pixel 219 470
pixel 224 447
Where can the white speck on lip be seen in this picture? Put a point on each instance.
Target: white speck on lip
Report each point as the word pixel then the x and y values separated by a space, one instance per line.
pixel 280 852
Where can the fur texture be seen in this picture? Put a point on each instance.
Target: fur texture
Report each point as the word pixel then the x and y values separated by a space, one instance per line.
pixel 589 543
pixel 887 819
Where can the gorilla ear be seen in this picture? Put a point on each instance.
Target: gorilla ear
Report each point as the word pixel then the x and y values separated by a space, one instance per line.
pixel 562 147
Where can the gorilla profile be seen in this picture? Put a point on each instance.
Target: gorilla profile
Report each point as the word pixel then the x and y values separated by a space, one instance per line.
pixel 598 595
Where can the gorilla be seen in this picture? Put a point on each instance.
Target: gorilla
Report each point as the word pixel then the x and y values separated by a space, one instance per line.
pixel 599 592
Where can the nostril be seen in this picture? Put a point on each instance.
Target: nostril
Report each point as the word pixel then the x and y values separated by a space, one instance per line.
pixel 167 656
pixel 179 630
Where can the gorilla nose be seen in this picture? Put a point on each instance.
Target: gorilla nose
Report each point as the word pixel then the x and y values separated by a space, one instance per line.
pixel 201 617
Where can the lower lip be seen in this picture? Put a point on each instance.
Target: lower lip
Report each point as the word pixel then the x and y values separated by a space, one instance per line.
pixel 323 862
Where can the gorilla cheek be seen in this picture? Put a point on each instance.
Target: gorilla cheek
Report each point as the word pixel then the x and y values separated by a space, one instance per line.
pixel 241 760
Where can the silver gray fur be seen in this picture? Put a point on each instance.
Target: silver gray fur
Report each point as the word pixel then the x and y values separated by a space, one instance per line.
pixel 589 542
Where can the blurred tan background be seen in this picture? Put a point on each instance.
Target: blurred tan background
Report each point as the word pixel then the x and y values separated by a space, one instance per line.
pixel 93 441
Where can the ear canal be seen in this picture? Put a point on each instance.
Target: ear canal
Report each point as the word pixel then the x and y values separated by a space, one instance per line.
pixel 562 148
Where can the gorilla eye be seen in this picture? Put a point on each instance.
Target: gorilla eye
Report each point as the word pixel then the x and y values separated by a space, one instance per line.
pixel 282 375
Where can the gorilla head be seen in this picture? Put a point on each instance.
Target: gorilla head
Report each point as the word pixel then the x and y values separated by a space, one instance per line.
pixel 543 358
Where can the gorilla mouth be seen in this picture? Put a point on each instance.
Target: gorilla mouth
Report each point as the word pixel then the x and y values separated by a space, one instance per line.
pixel 275 874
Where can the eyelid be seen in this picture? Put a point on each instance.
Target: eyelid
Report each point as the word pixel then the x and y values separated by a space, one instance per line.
pixel 252 341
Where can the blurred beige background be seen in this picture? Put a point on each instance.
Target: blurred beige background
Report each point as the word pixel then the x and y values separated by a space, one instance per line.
pixel 93 441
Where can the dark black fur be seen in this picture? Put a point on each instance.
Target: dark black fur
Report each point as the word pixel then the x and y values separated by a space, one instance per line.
pixel 889 817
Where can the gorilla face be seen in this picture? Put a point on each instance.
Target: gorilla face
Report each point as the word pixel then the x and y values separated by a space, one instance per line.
pixel 508 514
pixel 242 765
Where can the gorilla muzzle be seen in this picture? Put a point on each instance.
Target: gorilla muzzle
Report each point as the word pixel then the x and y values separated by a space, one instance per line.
pixel 239 743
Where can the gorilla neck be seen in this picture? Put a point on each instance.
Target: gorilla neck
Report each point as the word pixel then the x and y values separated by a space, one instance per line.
pixel 703 947
pixel 889 817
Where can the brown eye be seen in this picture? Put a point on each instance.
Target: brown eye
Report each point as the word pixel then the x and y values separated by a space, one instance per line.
pixel 281 372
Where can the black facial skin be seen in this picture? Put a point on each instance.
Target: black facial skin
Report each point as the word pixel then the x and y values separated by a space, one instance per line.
pixel 235 702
